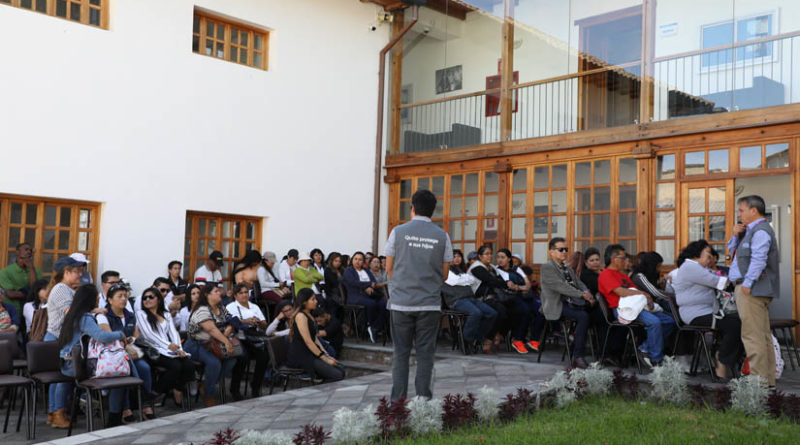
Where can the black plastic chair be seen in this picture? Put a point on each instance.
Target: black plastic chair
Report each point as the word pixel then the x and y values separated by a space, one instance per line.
pixel 44 368
pixel 19 362
pixel 455 327
pixel 278 350
pixel 565 328
pixel 630 338
pixel 785 327
pixel 11 383
pixel 700 340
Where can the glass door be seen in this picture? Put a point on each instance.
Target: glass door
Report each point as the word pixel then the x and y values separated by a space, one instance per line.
pixel 708 213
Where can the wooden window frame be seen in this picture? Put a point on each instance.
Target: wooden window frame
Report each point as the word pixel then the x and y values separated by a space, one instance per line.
pixel 675 208
pixel 84 8
pixel 200 34
pixel 462 242
pixel 39 227
pixel 192 258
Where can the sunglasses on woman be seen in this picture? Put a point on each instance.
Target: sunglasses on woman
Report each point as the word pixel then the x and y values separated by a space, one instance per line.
pixel 149 297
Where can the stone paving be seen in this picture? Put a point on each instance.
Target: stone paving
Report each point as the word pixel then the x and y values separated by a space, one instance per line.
pixel 287 411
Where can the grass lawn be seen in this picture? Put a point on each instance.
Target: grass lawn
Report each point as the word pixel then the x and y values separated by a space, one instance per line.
pixel 615 421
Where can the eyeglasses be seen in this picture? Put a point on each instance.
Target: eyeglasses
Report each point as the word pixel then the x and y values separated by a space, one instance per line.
pixel 244 291
pixel 112 282
pixel 164 290
pixel 148 297
pixel 561 249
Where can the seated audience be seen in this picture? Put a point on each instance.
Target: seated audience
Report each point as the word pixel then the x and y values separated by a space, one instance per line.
pixel 17 279
pixel 564 295
pixel 522 308
pixel 6 323
pixel 305 350
pixel 480 316
pixel 181 319
pixel 86 277
pixel 37 300
pixel 615 284
pixel 330 329
pixel 593 265
pixel 381 278
pixel 488 284
pixel 280 324
pixel 176 281
pixel 210 273
pixel 287 266
pixel 245 271
pixel 273 290
pixel 253 322
pixel 334 300
pixel 208 322
pixel 646 276
pixel 66 278
pixel 107 279
pixel 162 285
pixel 360 285
pixel 305 276
pixel 318 263
pixel 696 288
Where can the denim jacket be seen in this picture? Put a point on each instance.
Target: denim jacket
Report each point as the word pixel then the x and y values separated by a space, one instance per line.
pixel 89 327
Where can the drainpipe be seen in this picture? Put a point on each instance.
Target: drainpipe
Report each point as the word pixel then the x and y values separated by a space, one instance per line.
pixel 376 212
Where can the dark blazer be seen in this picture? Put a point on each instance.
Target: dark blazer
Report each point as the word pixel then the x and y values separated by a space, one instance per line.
pixel 355 287
pixel 555 288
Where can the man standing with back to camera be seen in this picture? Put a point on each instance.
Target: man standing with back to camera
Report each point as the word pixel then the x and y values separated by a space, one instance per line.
pixel 418 255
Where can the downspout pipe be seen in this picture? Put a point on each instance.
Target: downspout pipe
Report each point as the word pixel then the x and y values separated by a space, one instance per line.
pixel 376 212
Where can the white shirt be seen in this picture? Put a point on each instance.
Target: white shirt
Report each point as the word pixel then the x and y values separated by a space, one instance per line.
pixel 237 310
pixel 181 320
pixel 161 337
pixel 285 272
pixel 103 302
pixel 317 287
pixel 203 275
pixel 463 279
pixel 362 275
pixel 272 329
pixel 265 280
pixel 27 312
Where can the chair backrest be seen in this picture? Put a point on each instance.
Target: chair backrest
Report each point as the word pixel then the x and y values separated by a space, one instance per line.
pixel 673 306
pixel 6 359
pixel 278 350
pixel 78 355
pixel 13 342
pixel 601 301
pixel 43 356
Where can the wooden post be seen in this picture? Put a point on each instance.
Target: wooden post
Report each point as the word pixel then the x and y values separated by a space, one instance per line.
pixel 507 74
pixel 503 170
pixel 646 98
pixel 396 91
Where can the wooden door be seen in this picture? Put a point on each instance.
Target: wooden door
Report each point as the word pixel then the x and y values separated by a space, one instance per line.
pixel 708 212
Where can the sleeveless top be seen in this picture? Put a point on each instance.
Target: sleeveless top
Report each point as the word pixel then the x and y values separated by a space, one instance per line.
pixel 299 354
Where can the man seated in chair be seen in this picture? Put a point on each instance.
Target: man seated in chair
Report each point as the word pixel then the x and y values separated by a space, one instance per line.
pixel 564 295
pixel 614 285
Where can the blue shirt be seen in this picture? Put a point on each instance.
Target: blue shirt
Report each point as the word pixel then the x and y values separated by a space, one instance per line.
pixel 89 326
pixel 759 246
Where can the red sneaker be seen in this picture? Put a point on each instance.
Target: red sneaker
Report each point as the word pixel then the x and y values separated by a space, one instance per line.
pixel 533 345
pixel 519 347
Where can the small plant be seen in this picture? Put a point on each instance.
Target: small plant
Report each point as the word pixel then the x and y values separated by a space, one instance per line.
pixel 354 427
pixel 566 386
pixel 749 394
pixel 721 398
pixel 669 382
pixel 226 437
pixel 486 404
pixel 458 411
pixel 425 416
pixel 251 437
pixel 697 395
pixel 791 407
pixel 517 404
pixel 626 386
pixel 597 381
pixel 311 434
pixel 393 418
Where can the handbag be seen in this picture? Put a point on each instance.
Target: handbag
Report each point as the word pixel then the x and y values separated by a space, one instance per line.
pixel 215 347
pixel 505 295
pixel 724 304
pixel 454 293
pixel 108 359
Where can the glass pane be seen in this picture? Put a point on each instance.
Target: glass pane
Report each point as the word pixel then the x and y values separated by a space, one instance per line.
pixel 697 228
pixel 602 198
pixel 602 172
pixel 695 163
pixel 237 230
pixel 61 8
pixel 559 175
pixel 697 201
pixel 456 185
pixel 83 241
pixel 226 229
pixel 201 226
pixel 196 24
pixel 201 248
pixel 235 249
pixel 242 55
pixel 13 236
pixel 16 213
pixel 559 203
pixel 629 245
pixel 470 229
pixel 212 227
pixel 540 202
pixel 49 216
pixel 455 207
pixel 94 17
pixel 65 216
pixel 519 203
pixel 518 227
pixel 491 182
pixel 583 226
pixel 666 248
pixel 63 240
pixel 472 184
pixel 258 42
pixel 627 170
pixel 750 158
pixel 665 196
pixel 520 181
pixel 220 32
pixel 558 226
pixel 85 218
pixel 666 167
pixel 257 60
pixel 187 247
pixel 541 177
pixel 583 173
pixel 627 197
pixel 627 224
pixel 716 228
pixel 220 50
pixel 210 29
pixel 438 186
pixel 423 184
pixel 234 36
pixel 539 252
pixel 470 206
pixel 540 227
pixel 30 214
pixel 718 161
pixel 41 5
pixel 75 12
pixel 25 4
pixel 716 199
pixel 48 261
pixel 211 245
pixel 251 230
pixel 244 38
pixel 49 239
pixel 405 210
pixel 490 205
pixel 583 200
pixel 233 55
pixel 665 223
pixel 226 248
pixel 438 212
pixel 778 155
pixel 455 230
pixel 602 225
pixel 209 47
pixel 405 188
pixel 518 249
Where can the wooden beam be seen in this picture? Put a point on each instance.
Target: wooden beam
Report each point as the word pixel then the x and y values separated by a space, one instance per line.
pixel 647 96
pixel 396 87
pixel 507 75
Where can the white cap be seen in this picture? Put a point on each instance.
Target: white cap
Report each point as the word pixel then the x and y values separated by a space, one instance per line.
pixel 303 256
pixel 77 256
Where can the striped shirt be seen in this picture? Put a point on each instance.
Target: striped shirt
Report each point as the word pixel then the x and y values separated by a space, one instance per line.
pixel 58 302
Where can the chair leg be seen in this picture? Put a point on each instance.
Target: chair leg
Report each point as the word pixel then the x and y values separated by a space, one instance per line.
pixel 90 410
pixel 567 350
pixel 794 347
pixel 139 399
pixel 708 357
pixel 632 337
pixel 74 412
pixel 675 344
pixel 543 340
pixel 33 414
pixel 102 411
pixel 25 404
pixel 9 403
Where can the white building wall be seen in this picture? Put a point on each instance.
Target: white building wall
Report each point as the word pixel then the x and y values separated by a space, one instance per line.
pixel 131 118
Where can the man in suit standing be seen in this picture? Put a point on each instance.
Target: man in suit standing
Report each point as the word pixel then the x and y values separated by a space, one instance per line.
pixel 564 295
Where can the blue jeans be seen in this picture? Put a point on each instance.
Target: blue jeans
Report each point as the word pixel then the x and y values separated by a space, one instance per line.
pixel 58 393
pixel 480 318
pixel 215 369
pixel 377 314
pixel 531 306
pixel 658 326
pixel 581 318
pixel 140 369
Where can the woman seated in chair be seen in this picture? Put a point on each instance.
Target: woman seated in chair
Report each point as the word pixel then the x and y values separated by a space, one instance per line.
pixel 209 322
pixel 486 287
pixel 253 321
pixel 305 349
pixel 79 321
pixel 523 309
pixel 459 296
pixel 646 277
pixel 696 289
pixel 158 332
pixel 122 320
pixel 360 285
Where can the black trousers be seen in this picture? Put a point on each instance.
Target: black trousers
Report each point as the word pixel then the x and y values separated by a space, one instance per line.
pixel 179 371
pixel 259 354
pixel 502 323
pixel 729 328
pixel 327 372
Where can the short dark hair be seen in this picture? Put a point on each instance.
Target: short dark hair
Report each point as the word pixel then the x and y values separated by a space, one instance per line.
pixel 754 201
pixel 589 252
pixel 692 250
pixel 552 244
pixel 424 203
pixel 108 274
pixel 161 280
pixel 292 253
pixel 172 263
pixel 613 250
pixel 22 244
pixel 483 249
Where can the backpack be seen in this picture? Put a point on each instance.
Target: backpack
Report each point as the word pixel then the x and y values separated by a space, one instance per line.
pixel 38 325
pixel 109 359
